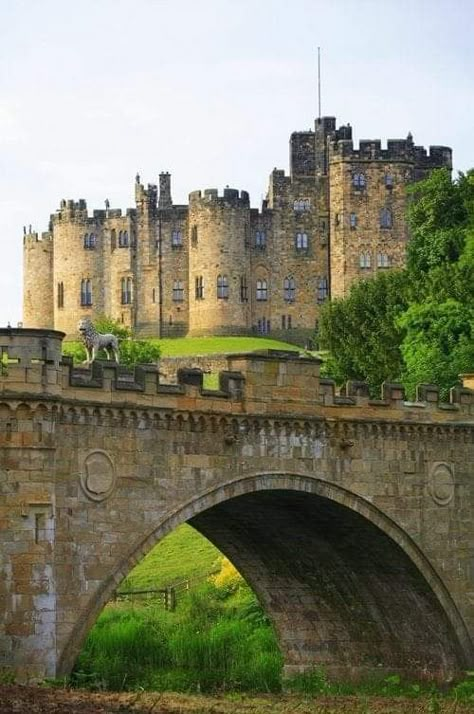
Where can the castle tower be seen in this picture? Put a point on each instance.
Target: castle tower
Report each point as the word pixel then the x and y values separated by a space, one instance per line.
pixel 219 264
pixel 367 199
pixel 38 291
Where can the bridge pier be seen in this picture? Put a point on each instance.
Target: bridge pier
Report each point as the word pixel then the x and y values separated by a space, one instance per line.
pixel 351 518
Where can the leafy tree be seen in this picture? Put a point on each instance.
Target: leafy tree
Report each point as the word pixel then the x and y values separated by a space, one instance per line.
pixel 437 217
pixel 139 352
pixel 438 343
pixel 107 325
pixel 361 331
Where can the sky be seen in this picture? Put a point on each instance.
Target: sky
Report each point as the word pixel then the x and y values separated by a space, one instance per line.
pixel 93 91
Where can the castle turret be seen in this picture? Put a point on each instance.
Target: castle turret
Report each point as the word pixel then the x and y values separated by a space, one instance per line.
pixel 219 265
pixel 38 290
pixel 165 200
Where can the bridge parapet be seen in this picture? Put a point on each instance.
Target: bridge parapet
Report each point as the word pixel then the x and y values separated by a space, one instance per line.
pixel 261 382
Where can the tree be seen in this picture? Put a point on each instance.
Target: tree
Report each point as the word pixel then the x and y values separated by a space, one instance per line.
pixel 438 343
pixel 361 331
pixel 437 217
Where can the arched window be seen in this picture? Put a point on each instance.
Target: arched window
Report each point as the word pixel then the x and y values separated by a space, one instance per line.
pixel 364 260
pixel 199 288
pixel 86 241
pixel 178 291
pixel 289 289
pixel 176 239
pixel 386 218
pixel 86 292
pixel 123 239
pixel 388 180
pixel 60 295
pixel 262 290
pixel 243 289
pixel 353 220
pixel 322 289
pixel 222 287
pixel 92 241
pixel 126 291
pixel 260 239
pixel 194 234
pixel 301 241
pixel 358 181
pixel 301 205
pixel 383 260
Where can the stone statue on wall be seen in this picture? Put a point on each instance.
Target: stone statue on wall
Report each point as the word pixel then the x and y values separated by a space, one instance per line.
pixel 95 341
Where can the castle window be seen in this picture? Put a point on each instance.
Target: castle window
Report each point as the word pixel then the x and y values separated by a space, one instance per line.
pixel 222 287
pixel 301 241
pixel 288 322
pixel 243 289
pixel 178 291
pixel 262 290
pixel 60 294
pixel 194 234
pixel 123 239
pixel 383 260
pixel 364 260
pixel 353 221
pixel 263 326
pixel 323 289
pixel 301 205
pixel 388 181
pixel 176 239
pixel 89 241
pixel 126 291
pixel 199 288
pixel 359 181
pixel 289 289
pixel 260 240
pixel 386 220
pixel 153 295
pixel 86 292
pixel 283 322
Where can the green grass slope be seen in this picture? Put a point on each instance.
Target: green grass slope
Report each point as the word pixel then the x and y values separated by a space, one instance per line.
pixel 183 554
pixel 179 347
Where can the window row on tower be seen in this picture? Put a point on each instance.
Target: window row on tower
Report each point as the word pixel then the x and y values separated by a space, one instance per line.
pixel 90 240
pixel 383 260
pixel 359 180
pixel 385 219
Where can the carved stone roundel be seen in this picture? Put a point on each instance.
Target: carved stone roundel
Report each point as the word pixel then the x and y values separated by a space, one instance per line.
pixel 441 484
pixel 98 475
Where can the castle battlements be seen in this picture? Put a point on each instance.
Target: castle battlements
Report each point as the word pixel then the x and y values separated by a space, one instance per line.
pixel 229 197
pixel 32 237
pixel 31 364
pixel 397 150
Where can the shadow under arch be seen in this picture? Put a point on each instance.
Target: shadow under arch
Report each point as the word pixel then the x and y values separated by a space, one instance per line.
pixel 345 586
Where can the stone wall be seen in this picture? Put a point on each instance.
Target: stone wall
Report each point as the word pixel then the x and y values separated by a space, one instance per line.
pixel 350 517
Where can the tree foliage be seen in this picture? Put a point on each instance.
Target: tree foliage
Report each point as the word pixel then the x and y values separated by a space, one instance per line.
pixel 416 325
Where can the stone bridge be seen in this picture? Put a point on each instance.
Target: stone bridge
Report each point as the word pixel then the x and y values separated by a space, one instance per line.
pixel 351 518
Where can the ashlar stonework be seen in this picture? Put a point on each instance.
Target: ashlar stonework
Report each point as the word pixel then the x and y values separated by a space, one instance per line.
pixel 218 266
pixel 351 518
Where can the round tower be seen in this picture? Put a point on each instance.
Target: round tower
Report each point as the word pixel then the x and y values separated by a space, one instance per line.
pixel 78 270
pixel 219 263
pixel 38 286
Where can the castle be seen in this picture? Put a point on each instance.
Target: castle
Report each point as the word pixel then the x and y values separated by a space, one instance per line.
pixel 218 266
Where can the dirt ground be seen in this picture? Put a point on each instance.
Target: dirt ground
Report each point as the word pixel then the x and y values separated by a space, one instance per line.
pixel 15 699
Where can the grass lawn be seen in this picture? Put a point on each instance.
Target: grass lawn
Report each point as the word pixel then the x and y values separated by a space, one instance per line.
pixel 183 554
pixel 183 346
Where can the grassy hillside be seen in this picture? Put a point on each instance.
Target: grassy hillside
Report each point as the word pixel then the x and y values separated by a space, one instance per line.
pixel 183 554
pixel 219 345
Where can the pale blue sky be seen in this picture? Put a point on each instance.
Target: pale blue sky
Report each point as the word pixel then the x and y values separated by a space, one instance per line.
pixel 93 91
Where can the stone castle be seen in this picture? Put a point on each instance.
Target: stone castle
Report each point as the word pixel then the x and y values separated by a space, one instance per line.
pixel 218 266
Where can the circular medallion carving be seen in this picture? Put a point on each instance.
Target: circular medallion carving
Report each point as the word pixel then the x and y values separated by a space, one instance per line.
pixel 98 475
pixel 441 484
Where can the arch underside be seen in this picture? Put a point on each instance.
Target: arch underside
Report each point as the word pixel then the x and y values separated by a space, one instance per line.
pixel 345 588
pixel 340 592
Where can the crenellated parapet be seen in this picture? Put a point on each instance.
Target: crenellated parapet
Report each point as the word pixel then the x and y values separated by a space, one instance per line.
pixel 397 150
pixel 270 384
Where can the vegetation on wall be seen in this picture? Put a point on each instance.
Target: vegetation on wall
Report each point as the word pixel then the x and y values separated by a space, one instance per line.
pixel 414 325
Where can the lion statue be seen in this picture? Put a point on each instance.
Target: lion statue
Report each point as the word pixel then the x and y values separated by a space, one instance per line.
pixel 95 341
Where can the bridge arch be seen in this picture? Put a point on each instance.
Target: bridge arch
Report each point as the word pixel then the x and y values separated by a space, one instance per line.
pixel 345 586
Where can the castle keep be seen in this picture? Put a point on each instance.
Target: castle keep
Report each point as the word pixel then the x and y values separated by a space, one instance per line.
pixel 218 266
